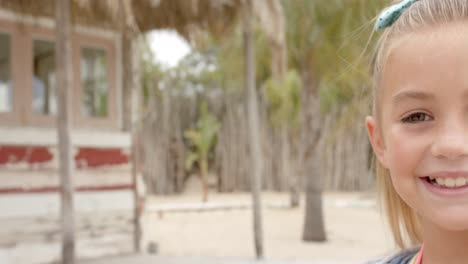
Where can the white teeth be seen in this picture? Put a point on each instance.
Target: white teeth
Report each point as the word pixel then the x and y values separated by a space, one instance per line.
pixel 451 182
pixel 460 181
pixel 432 178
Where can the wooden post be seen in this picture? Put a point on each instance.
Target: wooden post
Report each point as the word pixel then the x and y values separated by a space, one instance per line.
pixel 139 201
pixel 130 103
pixel 64 86
pixel 254 128
pixel 130 79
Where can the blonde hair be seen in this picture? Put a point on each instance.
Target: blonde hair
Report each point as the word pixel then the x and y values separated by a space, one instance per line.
pixel 403 221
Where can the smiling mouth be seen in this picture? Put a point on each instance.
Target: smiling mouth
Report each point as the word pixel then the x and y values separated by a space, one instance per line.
pixel 446 182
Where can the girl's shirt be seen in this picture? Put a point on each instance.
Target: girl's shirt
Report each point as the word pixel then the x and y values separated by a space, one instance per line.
pixel 418 257
pixel 409 256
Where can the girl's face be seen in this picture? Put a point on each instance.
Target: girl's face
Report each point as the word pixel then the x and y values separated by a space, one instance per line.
pixel 422 134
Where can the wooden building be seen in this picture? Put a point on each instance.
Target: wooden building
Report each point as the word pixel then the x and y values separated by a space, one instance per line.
pixel 104 103
pixel 28 102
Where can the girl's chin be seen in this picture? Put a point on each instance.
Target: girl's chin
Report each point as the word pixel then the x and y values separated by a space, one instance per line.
pixel 451 221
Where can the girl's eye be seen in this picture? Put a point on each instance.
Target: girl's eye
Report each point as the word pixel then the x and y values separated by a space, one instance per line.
pixel 416 117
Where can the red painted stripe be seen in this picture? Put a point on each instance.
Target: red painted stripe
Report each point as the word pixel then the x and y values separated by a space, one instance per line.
pixel 51 189
pixel 94 157
pixel 29 154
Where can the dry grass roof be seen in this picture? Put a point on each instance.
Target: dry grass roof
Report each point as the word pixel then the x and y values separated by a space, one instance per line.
pixel 215 16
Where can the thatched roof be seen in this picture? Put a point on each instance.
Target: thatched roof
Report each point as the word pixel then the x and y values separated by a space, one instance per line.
pixel 141 15
pixel 213 15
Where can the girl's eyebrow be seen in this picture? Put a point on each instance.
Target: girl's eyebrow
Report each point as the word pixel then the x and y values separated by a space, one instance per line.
pixel 411 95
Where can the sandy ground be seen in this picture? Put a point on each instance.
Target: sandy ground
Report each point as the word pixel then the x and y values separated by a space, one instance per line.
pixel 151 259
pixel 354 227
pixel 30 226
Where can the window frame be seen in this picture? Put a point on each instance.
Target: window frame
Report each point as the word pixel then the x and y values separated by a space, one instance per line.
pixel 18 115
pixel 85 41
pixel 38 119
pixel 22 37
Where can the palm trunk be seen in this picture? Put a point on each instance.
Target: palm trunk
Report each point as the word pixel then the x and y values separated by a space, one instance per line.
pixel 279 67
pixel 314 229
pixel 64 85
pixel 254 128
pixel 287 177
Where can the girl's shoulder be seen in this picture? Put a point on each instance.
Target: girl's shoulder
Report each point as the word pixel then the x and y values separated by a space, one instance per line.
pixel 402 257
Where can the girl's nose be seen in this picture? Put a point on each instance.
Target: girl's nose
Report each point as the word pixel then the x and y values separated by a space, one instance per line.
pixel 451 141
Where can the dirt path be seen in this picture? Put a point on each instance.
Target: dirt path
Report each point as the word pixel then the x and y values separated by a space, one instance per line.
pixel 146 259
pixel 354 227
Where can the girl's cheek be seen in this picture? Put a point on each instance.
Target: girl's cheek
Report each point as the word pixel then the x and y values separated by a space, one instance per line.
pixel 404 147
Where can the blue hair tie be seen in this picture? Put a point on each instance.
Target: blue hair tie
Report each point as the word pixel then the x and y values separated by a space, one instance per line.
pixel 391 14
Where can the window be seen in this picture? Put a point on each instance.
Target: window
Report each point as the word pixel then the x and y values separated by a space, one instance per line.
pixel 28 77
pixel 43 84
pixel 95 83
pixel 6 91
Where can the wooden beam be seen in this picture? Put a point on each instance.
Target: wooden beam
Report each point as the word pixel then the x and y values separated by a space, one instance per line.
pixel 64 87
pixel 131 108
pixel 254 128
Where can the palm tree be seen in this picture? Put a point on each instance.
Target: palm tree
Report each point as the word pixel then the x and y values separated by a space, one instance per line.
pixel 316 31
pixel 284 105
pixel 273 24
pixel 202 139
pixel 300 25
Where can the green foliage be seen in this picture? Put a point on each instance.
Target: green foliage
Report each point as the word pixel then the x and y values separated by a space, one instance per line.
pixel 196 75
pixel 262 57
pixel 230 57
pixel 326 38
pixel 203 137
pixel 198 71
pixel 151 73
pixel 329 38
pixel 284 99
